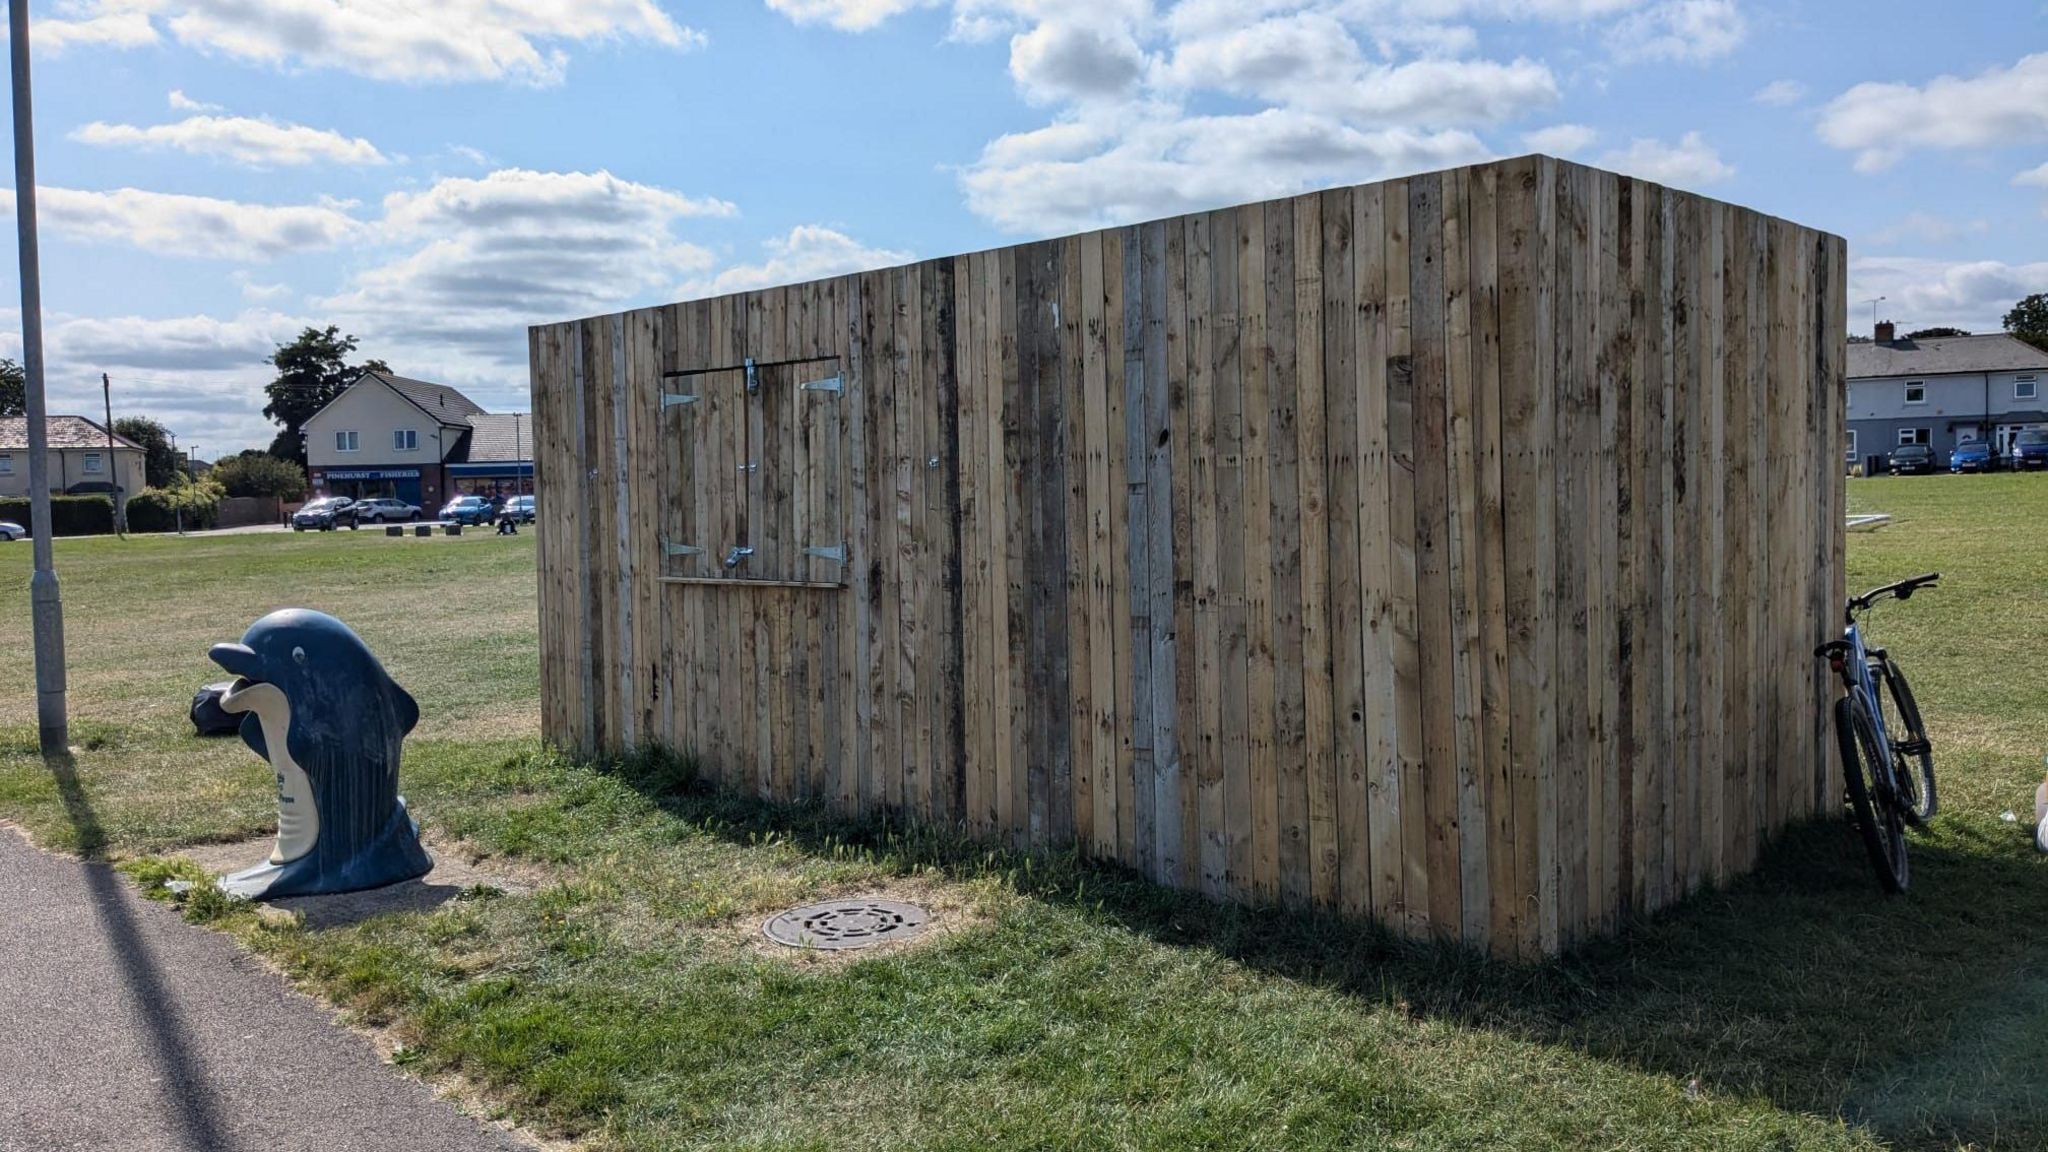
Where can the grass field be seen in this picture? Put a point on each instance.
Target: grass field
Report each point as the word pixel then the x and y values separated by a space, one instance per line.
pixel 627 1004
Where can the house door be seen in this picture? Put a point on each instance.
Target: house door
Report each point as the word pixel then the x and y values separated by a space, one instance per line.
pixel 753 473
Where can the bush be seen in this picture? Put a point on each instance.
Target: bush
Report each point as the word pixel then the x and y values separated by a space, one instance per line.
pixel 260 474
pixel 195 504
pixel 69 515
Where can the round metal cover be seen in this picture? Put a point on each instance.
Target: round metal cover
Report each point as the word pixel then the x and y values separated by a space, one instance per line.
pixel 857 923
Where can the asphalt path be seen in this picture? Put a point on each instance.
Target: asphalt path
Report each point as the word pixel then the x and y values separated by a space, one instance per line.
pixel 125 1029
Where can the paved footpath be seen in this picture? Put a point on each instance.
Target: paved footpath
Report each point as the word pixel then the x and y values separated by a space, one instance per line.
pixel 125 1029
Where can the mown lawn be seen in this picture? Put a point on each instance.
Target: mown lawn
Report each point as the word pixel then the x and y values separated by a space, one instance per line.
pixel 627 1004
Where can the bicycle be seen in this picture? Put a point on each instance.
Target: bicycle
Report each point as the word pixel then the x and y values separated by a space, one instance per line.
pixel 1887 762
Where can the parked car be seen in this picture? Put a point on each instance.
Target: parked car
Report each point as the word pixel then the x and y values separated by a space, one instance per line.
pixel 325 514
pixel 2030 449
pixel 377 510
pixel 1912 460
pixel 519 508
pixel 467 510
pixel 9 530
pixel 1973 456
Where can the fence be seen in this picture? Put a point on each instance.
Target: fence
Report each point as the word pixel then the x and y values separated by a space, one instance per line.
pixel 1447 550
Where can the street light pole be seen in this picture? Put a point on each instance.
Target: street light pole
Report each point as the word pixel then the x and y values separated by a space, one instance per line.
pixel 46 608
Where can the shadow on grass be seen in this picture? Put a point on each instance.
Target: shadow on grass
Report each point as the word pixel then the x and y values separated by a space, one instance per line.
pixel 188 1095
pixel 1923 1017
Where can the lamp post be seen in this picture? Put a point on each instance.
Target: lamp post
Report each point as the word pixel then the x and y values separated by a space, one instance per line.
pixel 46 607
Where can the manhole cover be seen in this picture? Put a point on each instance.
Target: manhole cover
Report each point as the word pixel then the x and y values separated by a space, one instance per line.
pixel 846 924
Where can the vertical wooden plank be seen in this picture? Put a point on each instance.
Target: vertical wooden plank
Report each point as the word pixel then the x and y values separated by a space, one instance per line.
pixel 1433 633
pixel 1261 685
pixel 1119 259
pixel 1165 382
pixel 1073 795
pixel 1525 208
pixel 1411 707
pixel 1290 802
pixel 1490 566
pixel 1462 561
pixel 1341 848
pixel 1180 585
pixel 1036 361
pixel 1642 580
pixel 1716 745
pixel 1315 843
pixel 1014 701
pixel 1138 548
pixel 1686 492
pixel 1207 859
pixel 1376 555
pixel 971 437
pixel 1575 419
pixel 1102 650
pixel 1230 243
pixel 1605 594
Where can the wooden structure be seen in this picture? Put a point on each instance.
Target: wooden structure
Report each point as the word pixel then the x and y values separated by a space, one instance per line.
pixel 1448 550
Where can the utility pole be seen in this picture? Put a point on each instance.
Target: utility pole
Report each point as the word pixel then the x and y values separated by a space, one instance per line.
pixel 177 502
pixel 113 465
pixel 46 608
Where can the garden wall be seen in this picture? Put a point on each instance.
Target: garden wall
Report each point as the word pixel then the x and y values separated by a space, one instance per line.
pixel 1448 550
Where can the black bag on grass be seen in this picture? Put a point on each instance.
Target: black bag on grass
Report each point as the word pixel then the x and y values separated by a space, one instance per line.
pixel 207 714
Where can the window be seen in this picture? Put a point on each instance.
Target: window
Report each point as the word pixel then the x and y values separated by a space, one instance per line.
pixel 1851 455
pixel 95 461
pixel 344 441
pixel 1916 393
pixel 2025 387
pixel 1913 436
pixel 6 465
pixel 405 440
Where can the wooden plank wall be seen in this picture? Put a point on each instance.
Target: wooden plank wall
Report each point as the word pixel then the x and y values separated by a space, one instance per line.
pixel 1447 550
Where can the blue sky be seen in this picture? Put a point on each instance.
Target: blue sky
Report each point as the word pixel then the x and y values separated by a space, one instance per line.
pixel 434 176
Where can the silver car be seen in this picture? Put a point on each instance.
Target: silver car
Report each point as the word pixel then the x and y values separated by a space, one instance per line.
pixel 378 509
pixel 9 530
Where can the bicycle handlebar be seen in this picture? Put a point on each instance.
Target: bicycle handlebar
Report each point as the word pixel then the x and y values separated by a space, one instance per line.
pixel 1904 590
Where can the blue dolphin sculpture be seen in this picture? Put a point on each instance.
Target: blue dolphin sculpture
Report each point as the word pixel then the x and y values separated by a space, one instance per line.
pixel 319 707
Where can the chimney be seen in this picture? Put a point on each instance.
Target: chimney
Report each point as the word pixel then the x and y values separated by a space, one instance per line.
pixel 1886 333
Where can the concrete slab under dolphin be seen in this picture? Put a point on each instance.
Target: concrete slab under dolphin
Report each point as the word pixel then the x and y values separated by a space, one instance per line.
pixel 317 704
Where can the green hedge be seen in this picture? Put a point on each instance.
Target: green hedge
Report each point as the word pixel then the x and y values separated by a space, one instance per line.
pixel 157 509
pixel 69 515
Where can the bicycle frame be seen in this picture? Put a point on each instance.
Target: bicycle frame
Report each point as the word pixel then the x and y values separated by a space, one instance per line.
pixel 1850 659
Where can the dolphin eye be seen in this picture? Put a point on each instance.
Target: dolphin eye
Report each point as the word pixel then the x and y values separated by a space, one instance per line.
pixel 299 655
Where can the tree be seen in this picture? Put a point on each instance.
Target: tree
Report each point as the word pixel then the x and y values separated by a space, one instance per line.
pixel 311 370
pixel 259 474
pixel 2028 320
pixel 159 461
pixel 1935 333
pixel 13 389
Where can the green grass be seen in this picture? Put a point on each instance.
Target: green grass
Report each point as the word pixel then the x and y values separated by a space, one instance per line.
pixel 627 1003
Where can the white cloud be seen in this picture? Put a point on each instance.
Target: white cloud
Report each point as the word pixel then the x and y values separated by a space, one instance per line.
pixel 483 258
pixel 1560 139
pixel 2036 177
pixel 1056 61
pixel 182 103
pixel 1928 228
pixel 1780 93
pixel 845 15
pixel 2000 107
pixel 1690 163
pixel 1310 60
pixel 93 24
pixel 404 40
pixel 1970 294
pixel 1679 30
pixel 808 252
pixel 202 226
pixel 1074 175
pixel 248 140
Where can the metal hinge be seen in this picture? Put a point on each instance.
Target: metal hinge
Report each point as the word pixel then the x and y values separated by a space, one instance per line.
pixel 753 380
pixel 836 553
pixel 828 384
pixel 668 549
pixel 671 399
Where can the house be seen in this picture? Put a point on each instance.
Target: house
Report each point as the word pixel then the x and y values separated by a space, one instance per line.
pixel 83 458
pixel 1942 391
pixel 387 435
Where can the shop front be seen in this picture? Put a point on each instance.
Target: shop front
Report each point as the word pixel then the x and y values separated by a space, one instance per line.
pixel 491 478
pixel 363 483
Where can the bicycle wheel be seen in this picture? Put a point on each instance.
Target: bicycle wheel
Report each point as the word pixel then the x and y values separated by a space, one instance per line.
pixel 1910 747
pixel 1864 772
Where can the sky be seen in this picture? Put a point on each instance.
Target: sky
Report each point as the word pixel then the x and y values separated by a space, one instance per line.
pixel 435 175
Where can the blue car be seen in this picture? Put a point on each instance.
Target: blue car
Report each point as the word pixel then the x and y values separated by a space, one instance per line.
pixel 467 510
pixel 2030 449
pixel 1972 456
